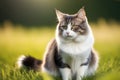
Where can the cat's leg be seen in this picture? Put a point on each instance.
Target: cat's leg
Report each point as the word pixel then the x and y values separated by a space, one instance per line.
pixel 82 69
pixel 65 73
pixel 64 68
pixel 81 72
pixel 89 67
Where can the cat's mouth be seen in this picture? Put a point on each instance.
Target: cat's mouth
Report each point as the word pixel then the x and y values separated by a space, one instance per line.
pixel 69 37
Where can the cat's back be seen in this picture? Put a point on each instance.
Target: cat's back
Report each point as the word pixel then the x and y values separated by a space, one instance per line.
pixel 48 62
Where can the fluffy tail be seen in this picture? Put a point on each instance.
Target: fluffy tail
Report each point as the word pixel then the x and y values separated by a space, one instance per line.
pixel 29 62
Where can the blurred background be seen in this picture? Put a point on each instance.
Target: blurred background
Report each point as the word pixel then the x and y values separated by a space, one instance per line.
pixel 26 27
pixel 41 12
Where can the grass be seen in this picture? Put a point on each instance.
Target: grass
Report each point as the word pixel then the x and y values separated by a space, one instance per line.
pixel 15 41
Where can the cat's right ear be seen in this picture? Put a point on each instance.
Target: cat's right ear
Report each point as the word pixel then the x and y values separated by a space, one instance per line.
pixel 59 15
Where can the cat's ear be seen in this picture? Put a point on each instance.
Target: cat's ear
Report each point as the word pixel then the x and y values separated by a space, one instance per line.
pixel 59 15
pixel 81 13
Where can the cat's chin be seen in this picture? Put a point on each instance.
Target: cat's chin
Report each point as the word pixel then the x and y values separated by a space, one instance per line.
pixel 69 38
pixel 66 40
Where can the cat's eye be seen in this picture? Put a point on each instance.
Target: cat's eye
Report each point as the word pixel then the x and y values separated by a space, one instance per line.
pixel 64 27
pixel 74 28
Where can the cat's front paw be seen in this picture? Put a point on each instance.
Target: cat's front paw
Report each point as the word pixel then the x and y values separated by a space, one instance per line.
pixel 79 78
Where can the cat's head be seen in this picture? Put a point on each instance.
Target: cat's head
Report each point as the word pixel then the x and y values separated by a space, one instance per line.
pixel 71 27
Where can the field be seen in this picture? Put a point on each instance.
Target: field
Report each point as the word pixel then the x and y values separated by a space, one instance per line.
pixel 16 40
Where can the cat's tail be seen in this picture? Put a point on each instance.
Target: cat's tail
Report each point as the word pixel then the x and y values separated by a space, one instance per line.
pixel 29 62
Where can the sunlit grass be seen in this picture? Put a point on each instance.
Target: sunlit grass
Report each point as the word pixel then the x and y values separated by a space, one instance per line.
pixel 16 40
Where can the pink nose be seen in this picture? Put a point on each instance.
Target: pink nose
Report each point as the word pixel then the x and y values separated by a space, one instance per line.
pixel 67 33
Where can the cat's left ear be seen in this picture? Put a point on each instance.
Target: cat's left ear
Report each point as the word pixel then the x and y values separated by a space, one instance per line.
pixel 59 15
pixel 81 13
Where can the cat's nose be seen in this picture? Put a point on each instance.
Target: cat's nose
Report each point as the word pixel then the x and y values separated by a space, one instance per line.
pixel 67 33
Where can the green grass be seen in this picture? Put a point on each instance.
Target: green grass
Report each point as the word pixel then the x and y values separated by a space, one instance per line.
pixel 17 41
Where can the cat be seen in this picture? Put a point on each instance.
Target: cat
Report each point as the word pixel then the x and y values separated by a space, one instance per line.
pixel 70 54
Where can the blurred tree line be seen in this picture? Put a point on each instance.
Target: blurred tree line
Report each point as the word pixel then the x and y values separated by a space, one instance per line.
pixel 41 12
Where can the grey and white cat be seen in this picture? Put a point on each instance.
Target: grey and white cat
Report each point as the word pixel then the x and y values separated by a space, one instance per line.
pixel 70 55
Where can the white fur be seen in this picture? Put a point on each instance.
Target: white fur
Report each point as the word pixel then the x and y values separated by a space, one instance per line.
pixel 65 73
pixel 75 52
pixel 71 34
pixel 81 43
pixel 81 72
pixel 19 61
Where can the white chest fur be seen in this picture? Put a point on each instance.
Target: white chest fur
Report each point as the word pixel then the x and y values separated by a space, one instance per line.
pixel 76 48
pixel 75 53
